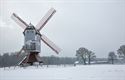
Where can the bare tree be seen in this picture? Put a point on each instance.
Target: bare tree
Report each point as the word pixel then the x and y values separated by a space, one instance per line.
pixel 82 53
pixel 121 51
pixel 91 56
pixel 85 54
pixel 112 57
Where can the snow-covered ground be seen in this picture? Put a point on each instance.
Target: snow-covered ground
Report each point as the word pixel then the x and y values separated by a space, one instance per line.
pixel 81 72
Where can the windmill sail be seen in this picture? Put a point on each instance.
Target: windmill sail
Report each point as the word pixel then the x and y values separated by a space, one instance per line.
pixel 20 51
pixel 50 44
pixel 45 19
pixel 19 21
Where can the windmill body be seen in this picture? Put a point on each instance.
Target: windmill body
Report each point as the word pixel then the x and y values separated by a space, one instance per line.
pixel 33 37
pixel 32 40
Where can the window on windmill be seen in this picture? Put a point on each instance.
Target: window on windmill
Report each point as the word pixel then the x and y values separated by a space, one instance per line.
pixel 27 31
pixel 33 46
pixel 31 31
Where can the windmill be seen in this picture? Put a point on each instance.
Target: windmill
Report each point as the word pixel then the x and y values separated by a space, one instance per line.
pixel 33 37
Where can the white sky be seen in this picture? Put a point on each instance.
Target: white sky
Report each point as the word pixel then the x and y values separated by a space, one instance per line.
pixel 98 25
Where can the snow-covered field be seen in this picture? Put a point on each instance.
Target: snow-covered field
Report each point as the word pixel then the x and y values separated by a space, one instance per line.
pixel 81 72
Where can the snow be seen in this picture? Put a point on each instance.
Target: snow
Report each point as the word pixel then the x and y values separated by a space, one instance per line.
pixel 79 72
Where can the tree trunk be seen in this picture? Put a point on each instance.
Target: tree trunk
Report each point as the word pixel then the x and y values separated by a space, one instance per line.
pixel 89 60
pixel 84 60
pixel 112 61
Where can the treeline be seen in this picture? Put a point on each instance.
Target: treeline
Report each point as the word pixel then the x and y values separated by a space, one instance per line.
pixel 11 59
pixel 53 60
pixel 87 56
pixel 82 56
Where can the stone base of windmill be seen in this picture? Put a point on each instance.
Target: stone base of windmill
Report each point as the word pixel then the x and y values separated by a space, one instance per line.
pixel 31 59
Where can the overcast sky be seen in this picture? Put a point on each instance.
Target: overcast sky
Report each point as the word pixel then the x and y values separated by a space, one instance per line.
pixel 98 25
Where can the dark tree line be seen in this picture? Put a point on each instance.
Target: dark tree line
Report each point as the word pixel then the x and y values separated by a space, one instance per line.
pixel 11 59
pixel 83 55
pixel 53 60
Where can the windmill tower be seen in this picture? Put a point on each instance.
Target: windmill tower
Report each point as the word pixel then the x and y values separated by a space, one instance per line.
pixel 33 37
